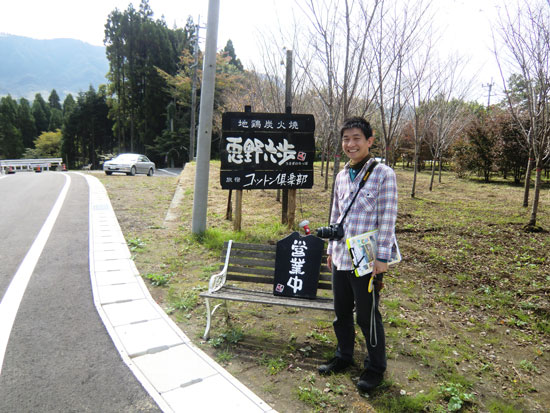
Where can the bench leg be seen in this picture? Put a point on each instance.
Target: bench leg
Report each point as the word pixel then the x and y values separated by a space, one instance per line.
pixel 208 319
pixel 227 318
pixel 209 315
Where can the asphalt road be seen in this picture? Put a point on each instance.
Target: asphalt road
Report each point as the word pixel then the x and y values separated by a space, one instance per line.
pixel 59 357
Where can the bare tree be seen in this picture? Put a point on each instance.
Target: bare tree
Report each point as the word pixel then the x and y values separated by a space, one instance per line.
pixel 450 115
pixel 525 33
pixel 397 38
pixel 267 88
pixel 422 81
pixel 334 60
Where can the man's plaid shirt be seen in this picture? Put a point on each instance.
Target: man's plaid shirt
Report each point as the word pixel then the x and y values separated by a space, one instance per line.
pixel 374 208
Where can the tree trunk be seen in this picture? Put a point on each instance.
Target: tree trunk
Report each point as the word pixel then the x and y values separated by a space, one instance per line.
pixel 533 219
pixel 323 152
pixel 527 183
pixel 440 167
pixel 328 153
pixel 336 170
pixel 132 131
pixel 413 190
pixel 327 167
pixel 433 175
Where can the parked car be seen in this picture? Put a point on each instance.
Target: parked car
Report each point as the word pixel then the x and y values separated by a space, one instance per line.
pixel 130 164
pixel 11 170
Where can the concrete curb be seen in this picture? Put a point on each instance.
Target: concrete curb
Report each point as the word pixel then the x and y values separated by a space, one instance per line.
pixel 177 374
pixel 172 214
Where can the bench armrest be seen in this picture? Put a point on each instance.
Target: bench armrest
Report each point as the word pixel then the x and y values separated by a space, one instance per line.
pixel 218 280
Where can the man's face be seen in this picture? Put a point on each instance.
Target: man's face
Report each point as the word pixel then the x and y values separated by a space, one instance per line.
pixel 355 144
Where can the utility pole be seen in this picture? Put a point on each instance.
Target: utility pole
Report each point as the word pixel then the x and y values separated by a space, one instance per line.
pixel 490 87
pixel 192 132
pixel 289 205
pixel 204 138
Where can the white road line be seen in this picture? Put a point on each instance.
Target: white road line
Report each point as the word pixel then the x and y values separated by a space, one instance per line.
pixel 14 294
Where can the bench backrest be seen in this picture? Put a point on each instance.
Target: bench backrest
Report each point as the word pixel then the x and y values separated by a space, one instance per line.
pixel 255 263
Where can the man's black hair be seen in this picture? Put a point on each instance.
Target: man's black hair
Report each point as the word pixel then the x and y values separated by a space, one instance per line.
pixel 357 122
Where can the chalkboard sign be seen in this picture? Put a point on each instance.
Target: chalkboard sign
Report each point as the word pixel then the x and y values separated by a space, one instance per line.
pixel 297 266
pixel 267 150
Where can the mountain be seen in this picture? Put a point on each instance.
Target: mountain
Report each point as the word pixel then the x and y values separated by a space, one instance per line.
pixel 29 66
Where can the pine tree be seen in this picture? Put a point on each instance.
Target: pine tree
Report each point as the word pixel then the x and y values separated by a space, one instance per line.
pixel 136 46
pixel 11 144
pixel 56 120
pixel 229 50
pixel 68 106
pixel 26 123
pixel 54 100
pixel 41 112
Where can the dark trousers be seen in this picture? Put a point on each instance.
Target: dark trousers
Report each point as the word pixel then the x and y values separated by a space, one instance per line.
pixel 352 292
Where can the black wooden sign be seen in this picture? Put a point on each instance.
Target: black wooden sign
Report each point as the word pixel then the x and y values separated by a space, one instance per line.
pixel 297 266
pixel 267 150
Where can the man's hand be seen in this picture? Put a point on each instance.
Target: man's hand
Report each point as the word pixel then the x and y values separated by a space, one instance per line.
pixel 380 267
pixel 329 262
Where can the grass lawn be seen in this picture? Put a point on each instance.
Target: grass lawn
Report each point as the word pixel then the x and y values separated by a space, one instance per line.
pixel 466 312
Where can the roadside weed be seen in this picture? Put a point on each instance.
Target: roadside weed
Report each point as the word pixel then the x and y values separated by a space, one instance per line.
pixel 456 396
pixel 528 366
pixel 414 375
pixel 230 336
pixel 274 364
pixel 159 280
pixel 389 402
pixel 314 397
pixel 181 300
pixel 502 407
pixel 321 337
pixel 136 244
pixel 224 356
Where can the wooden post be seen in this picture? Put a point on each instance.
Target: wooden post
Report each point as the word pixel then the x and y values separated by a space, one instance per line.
pixel 239 195
pixel 291 208
pixel 284 207
pixel 229 209
pixel 238 209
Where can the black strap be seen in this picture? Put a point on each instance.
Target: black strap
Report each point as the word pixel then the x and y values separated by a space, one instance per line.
pixel 361 184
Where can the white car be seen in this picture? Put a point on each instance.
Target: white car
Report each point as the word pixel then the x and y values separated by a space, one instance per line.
pixel 130 164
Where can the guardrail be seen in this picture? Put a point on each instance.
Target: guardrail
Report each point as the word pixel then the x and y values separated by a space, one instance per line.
pixel 29 164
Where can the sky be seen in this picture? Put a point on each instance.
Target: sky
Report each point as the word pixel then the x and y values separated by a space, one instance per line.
pixel 465 24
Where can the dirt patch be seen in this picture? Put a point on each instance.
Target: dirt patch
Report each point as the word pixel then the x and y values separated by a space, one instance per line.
pixel 466 313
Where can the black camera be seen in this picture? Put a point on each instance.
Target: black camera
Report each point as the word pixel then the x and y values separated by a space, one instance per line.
pixel 333 232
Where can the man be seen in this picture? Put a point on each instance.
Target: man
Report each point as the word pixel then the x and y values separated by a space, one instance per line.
pixel 374 208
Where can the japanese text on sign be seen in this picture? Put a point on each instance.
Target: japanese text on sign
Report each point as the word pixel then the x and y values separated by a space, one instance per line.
pixel 281 179
pixel 266 180
pixel 297 262
pixel 268 124
pixel 253 150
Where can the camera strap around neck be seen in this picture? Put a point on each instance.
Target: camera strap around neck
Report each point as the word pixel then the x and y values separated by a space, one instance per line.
pixel 361 184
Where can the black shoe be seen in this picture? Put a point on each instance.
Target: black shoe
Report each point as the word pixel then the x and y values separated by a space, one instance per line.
pixel 369 381
pixel 334 365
